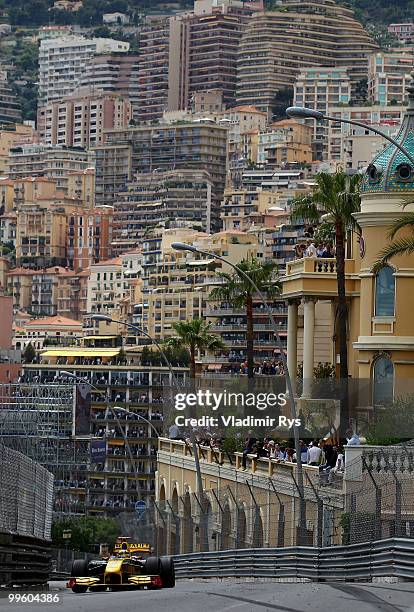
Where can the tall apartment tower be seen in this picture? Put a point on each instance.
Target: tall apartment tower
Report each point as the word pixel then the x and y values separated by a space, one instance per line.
pixel 389 75
pixel 62 61
pixel 321 88
pixel 190 52
pixel 115 72
pixel 275 46
pixel 158 149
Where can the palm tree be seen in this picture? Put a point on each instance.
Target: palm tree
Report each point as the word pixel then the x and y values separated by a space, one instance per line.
pixel 194 336
pixel 238 292
pixel 336 195
pixel 403 245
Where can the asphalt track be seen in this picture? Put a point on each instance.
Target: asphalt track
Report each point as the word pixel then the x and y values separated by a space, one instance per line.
pixel 235 595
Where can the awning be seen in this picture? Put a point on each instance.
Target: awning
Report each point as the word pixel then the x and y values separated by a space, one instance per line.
pixel 200 262
pixel 214 366
pixel 98 337
pixel 86 352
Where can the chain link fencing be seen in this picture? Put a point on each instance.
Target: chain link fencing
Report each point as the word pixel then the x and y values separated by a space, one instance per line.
pixel 26 495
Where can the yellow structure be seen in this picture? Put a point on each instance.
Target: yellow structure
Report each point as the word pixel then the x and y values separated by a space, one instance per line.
pixel 381 337
pixel 8 139
pixel 239 515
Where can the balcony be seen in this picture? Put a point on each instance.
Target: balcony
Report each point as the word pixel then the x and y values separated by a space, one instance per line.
pixel 312 276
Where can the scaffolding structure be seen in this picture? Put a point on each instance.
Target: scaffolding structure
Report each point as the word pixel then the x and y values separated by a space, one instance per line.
pixel 36 420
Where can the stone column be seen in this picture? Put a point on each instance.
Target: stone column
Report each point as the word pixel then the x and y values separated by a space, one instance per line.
pixel 292 340
pixel 308 344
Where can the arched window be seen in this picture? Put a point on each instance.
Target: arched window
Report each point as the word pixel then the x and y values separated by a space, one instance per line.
pixel 385 292
pixel 383 378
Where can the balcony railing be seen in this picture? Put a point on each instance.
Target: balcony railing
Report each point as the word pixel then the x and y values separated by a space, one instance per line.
pixel 317 265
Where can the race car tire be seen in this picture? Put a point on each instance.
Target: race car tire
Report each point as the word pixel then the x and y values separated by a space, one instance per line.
pixel 77 588
pixel 167 572
pixel 80 568
pixel 152 566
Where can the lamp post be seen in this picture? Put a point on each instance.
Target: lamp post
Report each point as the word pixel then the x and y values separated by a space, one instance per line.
pixel 107 411
pixel 180 246
pixel 137 416
pixel 140 331
pixel 300 112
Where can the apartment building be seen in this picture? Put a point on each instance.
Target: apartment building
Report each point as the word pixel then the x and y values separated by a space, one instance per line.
pixel 62 61
pixel 10 111
pixel 375 115
pixel 52 162
pixel 81 185
pixel 161 68
pixel 105 287
pixel 41 236
pixel 275 46
pixel 161 199
pixel 321 88
pixel 403 31
pixel 361 145
pixel 116 72
pixel 11 137
pixel 176 284
pixel 190 52
pixel 388 76
pixel 88 237
pixel 46 331
pixel 79 120
pixel 113 171
pixel 285 142
pixel 196 145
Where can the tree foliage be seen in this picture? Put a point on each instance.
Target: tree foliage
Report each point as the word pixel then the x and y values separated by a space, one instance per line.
pixel 86 532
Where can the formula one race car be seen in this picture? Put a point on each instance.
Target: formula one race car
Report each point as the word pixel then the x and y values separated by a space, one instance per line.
pixel 128 567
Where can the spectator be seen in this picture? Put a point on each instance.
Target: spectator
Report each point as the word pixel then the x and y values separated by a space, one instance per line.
pixel 352 438
pixel 174 432
pixel 339 465
pixel 331 455
pixel 320 249
pixel 311 249
pixel 328 252
pixel 250 442
pixel 314 454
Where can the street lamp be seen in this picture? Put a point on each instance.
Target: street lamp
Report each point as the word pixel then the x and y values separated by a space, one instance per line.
pixel 181 246
pixel 107 411
pixel 137 416
pixel 140 331
pixel 300 112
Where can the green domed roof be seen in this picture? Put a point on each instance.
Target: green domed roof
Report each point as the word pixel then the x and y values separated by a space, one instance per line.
pixel 391 170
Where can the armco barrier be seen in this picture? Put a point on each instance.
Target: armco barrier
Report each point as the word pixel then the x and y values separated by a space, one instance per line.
pixel 393 557
pixel 24 560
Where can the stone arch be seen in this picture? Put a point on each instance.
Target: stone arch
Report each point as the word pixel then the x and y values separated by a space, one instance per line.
pixel 241 528
pixel 162 497
pixel 187 527
pixel 226 527
pixel 205 523
pixel 174 500
pixel 258 538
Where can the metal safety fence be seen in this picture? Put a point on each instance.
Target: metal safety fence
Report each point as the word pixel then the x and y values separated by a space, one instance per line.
pixel 393 557
pixel 26 495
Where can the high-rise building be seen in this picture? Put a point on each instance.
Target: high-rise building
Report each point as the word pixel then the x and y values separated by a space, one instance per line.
pixel 88 236
pixel 116 72
pixel 162 68
pixel 163 199
pixel 388 76
pixel 320 88
pixel 62 61
pixel 276 45
pixel 53 162
pixel 190 52
pixel 197 146
pixel 285 142
pixel 403 31
pixel 80 119
pixel 10 111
